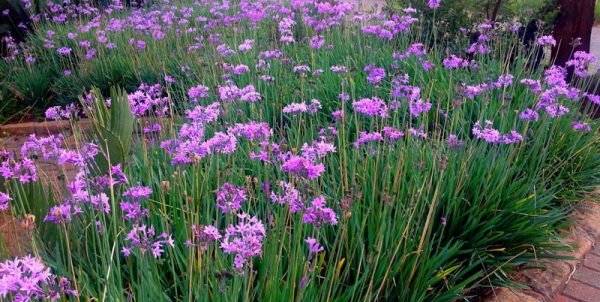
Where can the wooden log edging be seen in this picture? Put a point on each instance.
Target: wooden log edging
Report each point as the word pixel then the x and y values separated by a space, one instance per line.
pixel 549 282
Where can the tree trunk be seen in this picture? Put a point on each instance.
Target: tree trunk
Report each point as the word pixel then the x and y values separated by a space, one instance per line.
pixel 575 20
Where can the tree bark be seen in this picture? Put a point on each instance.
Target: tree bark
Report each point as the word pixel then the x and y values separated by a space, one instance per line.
pixel 496 10
pixel 575 20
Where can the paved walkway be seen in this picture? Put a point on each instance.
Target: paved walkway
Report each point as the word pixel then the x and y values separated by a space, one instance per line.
pixel 584 285
pixel 595 46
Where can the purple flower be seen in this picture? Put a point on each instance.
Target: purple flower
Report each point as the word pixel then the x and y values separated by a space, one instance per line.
pixel 203 236
pixel 27 278
pixel 417 49
pixel 295 108
pixel 503 81
pixel 62 213
pixel 252 130
pixel 133 211
pixel 244 240
pixel 118 175
pixel 533 85
pixel 65 51
pixel 453 142
pixel 376 75
pixel 198 92
pixel 303 167
pixel 338 69
pixel 30 59
pixel 580 61
pixel 577 126
pixel 529 114
pixel 317 214
pixel 473 91
pixel 290 196
pixel 137 193
pixel 301 69
pixel 373 107
pixel 241 69
pixel 140 45
pixel 433 4
pixel 225 51
pixel 4 199
pixel 318 149
pixel 152 128
pixel 230 198
pixel 392 134
pixel 270 54
pixel 417 107
pixel 366 137
pixel 546 40
pixel 491 135
pixel 53 113
pixel 90 54
pixel 455 62
pixel 316 42
pixel 231 94
pixel 221 143
pixel 313 246
pixel 246 46
pixel 145 239
pixel 420 132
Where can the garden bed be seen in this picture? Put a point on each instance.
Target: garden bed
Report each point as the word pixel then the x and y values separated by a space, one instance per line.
pixel 293 152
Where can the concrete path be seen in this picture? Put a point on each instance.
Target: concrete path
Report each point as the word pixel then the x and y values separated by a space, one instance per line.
pixel 595 45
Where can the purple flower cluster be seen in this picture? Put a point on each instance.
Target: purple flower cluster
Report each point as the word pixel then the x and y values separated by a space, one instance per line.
pixel 246 46
pixel 367 137
pixel 198 92
pixel 56 113
pixel 371 106
pixel 318 214
pixel 295 108
pixel 453 142
pixel 491 135
pixel 376 75
pixel 417 107
pixel 546 40
pixel 388 29
pixel 529 114
pixel 4 199
pixel 244 240
pixel 580 62
pixel 144 238
pixel 313 246
pixel 290 197
pixel 203 236
pixel 230 198
pixel 303 167
pixel 433 4
pixel 231 94
pixel 148 98
pixel 27 278
pixel 23 170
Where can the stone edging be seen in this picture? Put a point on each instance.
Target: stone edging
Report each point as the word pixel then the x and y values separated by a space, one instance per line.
pixel 40 128
pixel 53 127
pixel 547 283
